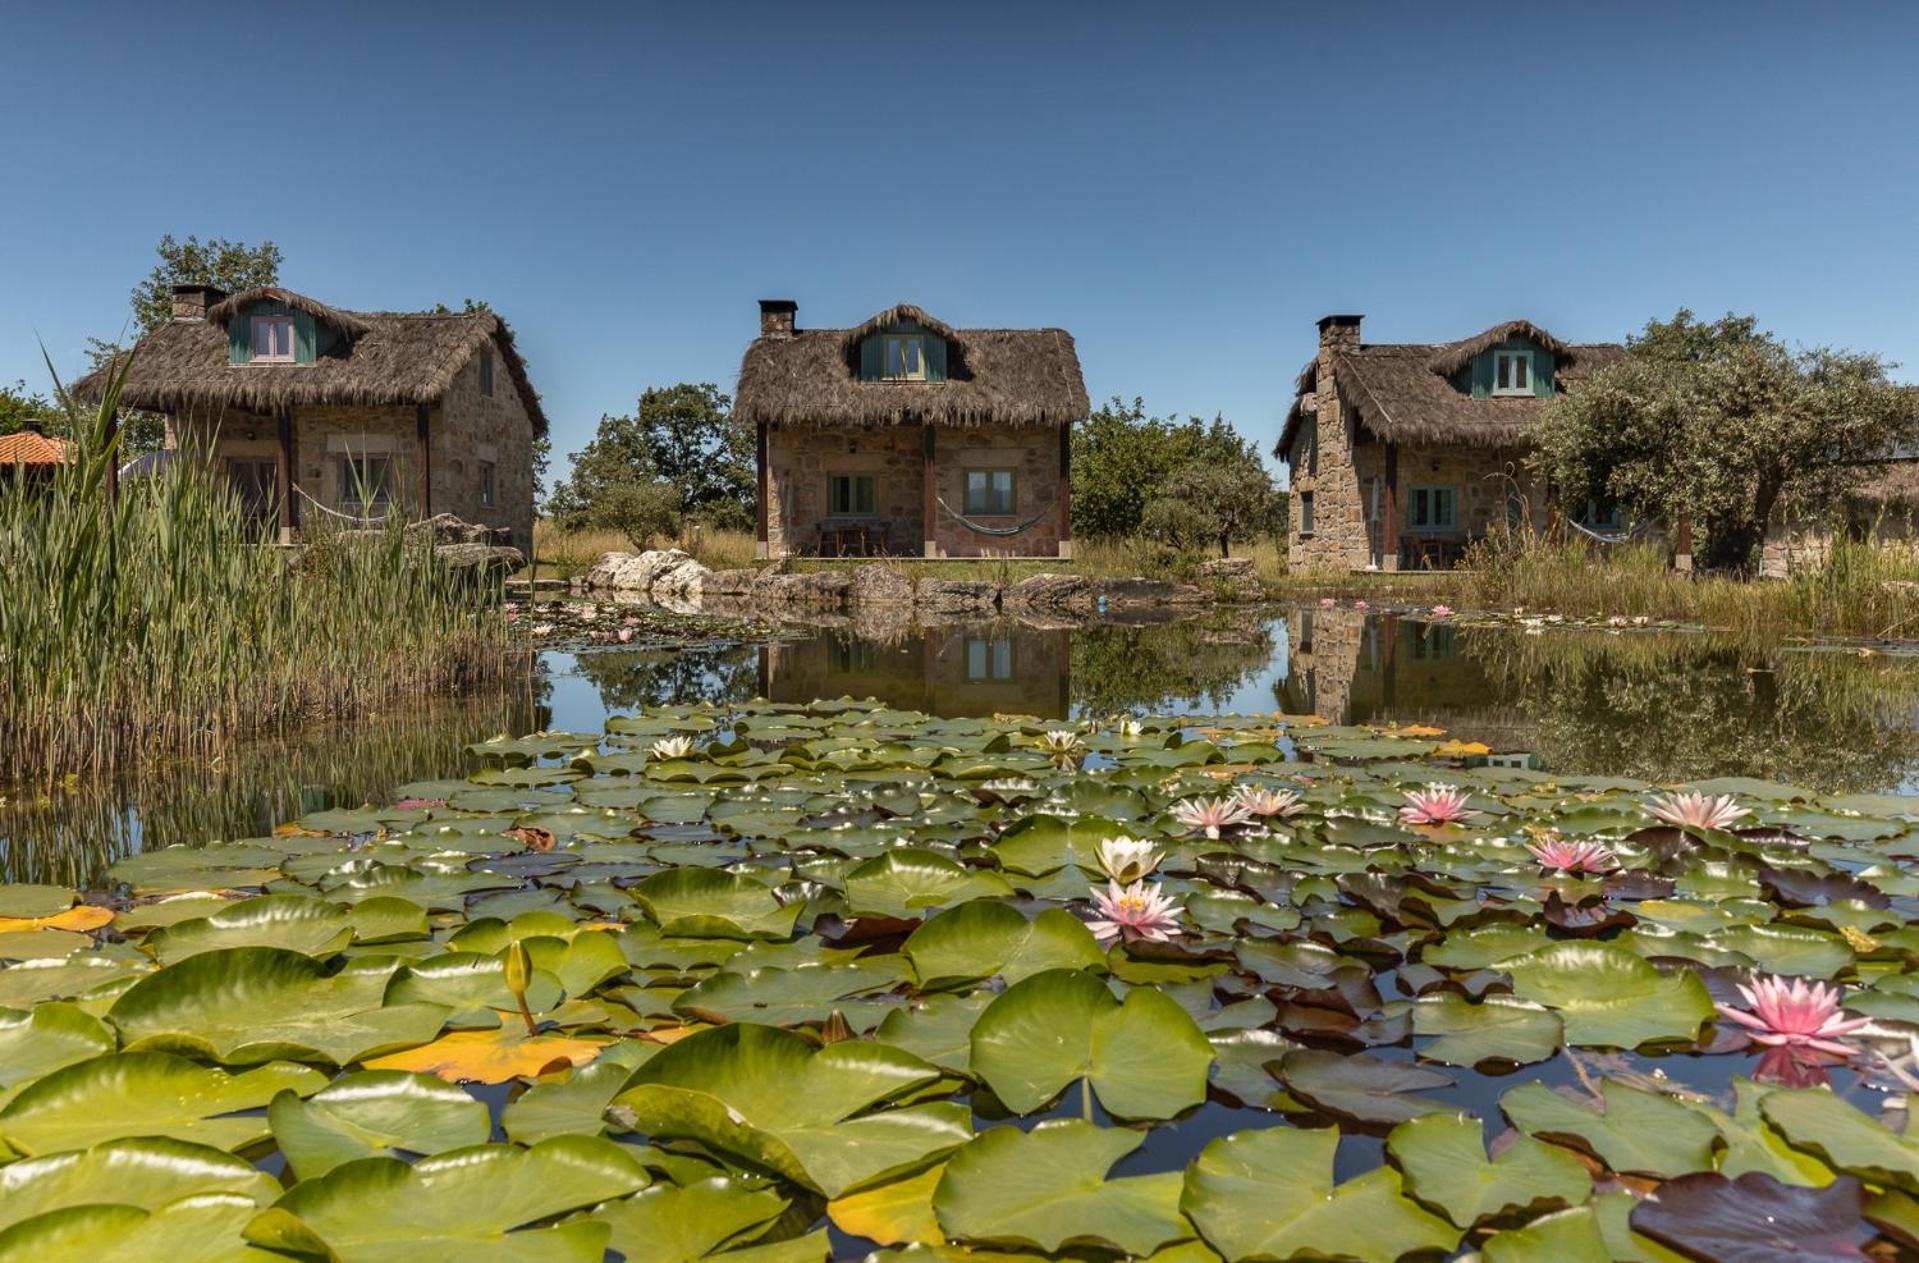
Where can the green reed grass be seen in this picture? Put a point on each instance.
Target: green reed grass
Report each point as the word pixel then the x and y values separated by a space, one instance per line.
pixel 160 623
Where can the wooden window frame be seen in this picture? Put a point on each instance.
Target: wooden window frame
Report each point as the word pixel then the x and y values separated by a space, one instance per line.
pixel 1523 360
pixel 486 372
pixel 257 325
pixel 350 484
pixel 1422 502
pixel 917 343
pixel 853 478
pixel 989 494
pixel 489 484
pixel 1305 514
pixel 990 647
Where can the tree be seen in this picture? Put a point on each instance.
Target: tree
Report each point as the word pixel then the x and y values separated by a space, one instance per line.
pixel 1234 494
pixel 1122 458
pixel 24 410
pixel 231 265
pixel 1727 424
pixel 682 435
pixel 642 511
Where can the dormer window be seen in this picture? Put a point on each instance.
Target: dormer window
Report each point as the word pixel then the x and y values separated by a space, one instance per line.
pixel 1512 372
pixel 903 357
pixel 272 339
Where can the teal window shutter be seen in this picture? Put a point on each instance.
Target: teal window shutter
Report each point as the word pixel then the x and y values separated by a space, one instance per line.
pixel 870 359
pixel 1542 372
pixel 240 339
pixel 935 359
pixel 305 344
pixel 1482 378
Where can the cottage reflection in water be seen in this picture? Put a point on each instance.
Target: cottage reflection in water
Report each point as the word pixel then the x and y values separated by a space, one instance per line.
pixel 973 669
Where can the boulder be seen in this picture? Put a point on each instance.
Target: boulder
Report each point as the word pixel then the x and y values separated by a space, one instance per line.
pixel 665 571
pixel 731 582
pixel 1049 591
pixel 1233 578
pixel 1135 592
pixel 825 589
pixel 480 562
pixel 445 528
pixel 875 584
pixel 957 596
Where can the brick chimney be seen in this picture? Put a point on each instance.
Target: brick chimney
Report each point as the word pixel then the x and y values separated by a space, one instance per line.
pixel 1338 333
pixel 190 302
pixel 777 316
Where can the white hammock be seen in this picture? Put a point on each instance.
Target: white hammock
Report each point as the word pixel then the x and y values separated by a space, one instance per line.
pixel 1636 531
pixel 971 525
pixel 358 518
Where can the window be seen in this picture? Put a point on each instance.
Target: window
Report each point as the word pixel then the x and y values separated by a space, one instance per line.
pixel 1512 372
pixel 273 339
pixel 1434 642
pixel 486 373
pixel 365 481
pixel 845 656
pixel 486 483
pixel 989 491
pixel 257 482
pixel 1434 509
pixel 1598 514
pixel 1375 499
pixel 903 357
pixel 1305 513
pixel 851 495
pixel 989 658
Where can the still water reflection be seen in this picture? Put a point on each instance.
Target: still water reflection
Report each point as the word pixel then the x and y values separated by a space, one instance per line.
pixel 1658 706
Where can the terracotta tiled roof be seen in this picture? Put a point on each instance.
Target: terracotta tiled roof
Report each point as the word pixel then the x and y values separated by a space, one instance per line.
pixel 29 447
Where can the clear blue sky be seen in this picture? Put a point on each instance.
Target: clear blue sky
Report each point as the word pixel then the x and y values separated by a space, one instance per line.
pixel 1185 187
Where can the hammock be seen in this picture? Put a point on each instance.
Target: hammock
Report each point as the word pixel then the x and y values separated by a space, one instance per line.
pixel 1637 530
pixel 360 518
pixel 971 525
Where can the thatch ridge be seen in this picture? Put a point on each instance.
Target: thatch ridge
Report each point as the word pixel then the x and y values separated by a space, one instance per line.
pixel 223 312
pixel 1015 377
pixel 400 358
pixel 1457 355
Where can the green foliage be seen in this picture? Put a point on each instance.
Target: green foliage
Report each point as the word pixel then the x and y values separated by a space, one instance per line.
pixel 1123 459
pixel 681 436
pixel 21 409
pixel 1727 423
pixel 642 511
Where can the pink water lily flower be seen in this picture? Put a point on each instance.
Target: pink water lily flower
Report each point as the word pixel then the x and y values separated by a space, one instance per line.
pixel 1266 803
pixel 1361 605
pixel 626 635
pixel 1327 602
pixel 1794 1014
pixel 1700 811
pixel 1209 815
pixel 1561 855
pixel 1436 804
pixel 1136 913
pixel 1442 611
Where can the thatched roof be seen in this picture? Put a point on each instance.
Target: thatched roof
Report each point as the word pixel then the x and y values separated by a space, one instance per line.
pixel 387 357
pixel 1014 377
pixel 30 447
pixel 1404 393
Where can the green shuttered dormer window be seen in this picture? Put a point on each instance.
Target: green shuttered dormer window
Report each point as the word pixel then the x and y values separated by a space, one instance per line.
pixel 906 353
pixel 1513 372
pixel 1513 369
pixel 272 333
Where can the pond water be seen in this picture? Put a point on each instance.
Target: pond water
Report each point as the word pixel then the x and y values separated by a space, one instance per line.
pixel 1658 705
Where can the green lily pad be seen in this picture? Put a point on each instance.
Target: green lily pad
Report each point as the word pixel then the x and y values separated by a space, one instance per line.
pixel 908 882
pixel 706 903
pixel 1500 1029
pixel 34 1042
pixel 143 1171
pixel 1609 997
pixel 1446 1167
pixel 299 923
pixel 371 1114
pixel 666 1223
pixel 1048 1189
pixel 575 1105
pixel 147 1094
pixel 1270 1195
pixel 201 1228
pixel 1845 1137
pixel 986 937
pixel 1144 1056
pixel 1359 1087
pixel 1638 1132
pixel 243 1005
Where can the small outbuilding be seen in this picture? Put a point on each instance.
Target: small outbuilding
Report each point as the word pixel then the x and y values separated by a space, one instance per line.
pixel 904 436
pixel 32 455
pixel 314 411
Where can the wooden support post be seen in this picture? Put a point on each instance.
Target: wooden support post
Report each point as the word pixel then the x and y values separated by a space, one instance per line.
pixel 113 458
pixel 423 460
pixel 759 463
pixel 929 492
pixel 1066 493
pixel 1389 546
pixel 1682 544
pixel 1555 525
pixel 285 476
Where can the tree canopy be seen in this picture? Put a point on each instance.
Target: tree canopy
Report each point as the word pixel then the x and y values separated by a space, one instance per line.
pixel 1724 422
pixel 1124 458
pixel 22 409
pixel 680 435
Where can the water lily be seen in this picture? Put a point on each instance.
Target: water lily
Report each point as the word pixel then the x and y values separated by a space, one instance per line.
pixel 1442 611
pixel 1640 620
pixel 1361 605
pixel 671 748
pixel 1209 815
pixel 1327 602
pixel 1698 811
pixel 1061 742
pixel 1564 856
pixel 1127 859
pixel 1130 727
pixel 1616 620
pixel 1136 913
pixel 513 616
pixel 1266 803
pixel 626 635
pixel 541 629
pixel 1794 1013
pixel 1436 804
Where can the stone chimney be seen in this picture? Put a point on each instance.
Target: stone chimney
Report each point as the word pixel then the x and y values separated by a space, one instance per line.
pixel 190 302
pixel 777 316
pixel 1338 333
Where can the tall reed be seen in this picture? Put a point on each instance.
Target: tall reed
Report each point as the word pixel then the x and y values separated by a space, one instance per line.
pixel 159 622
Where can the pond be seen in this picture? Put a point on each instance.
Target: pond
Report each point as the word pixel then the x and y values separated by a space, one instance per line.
pixel 698 954
pixel 1659 705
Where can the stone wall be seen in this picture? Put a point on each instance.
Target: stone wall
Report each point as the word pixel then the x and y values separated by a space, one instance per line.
pixel 800 461
pixel 463 431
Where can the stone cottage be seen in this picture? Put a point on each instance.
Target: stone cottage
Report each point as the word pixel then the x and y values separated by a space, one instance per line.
pixel 314 411
pixel 906 437
pixel 1403 453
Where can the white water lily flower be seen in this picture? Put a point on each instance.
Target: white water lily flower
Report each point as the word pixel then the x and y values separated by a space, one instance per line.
pixel 1061 741
pixel 1699 811
pixel 1010 785
pixel 1268 802
pixel 1136 913
pixel 1130 727
pixel 1209 815
pixel 1126 860
pixel 671 748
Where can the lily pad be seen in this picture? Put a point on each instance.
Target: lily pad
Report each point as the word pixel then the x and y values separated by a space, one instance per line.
pixel 147 1094
pixel 372 1114
pixel 1500 1029
pixel 1637 1132
pixel 1446 1167
pixel 985 937
pixel 1609 997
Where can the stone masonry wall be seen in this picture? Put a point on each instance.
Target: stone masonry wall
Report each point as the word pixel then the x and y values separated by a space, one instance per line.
pixel 800 460
pixel 468 429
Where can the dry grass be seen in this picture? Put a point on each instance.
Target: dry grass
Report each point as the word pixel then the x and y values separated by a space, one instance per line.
pixel 561 554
